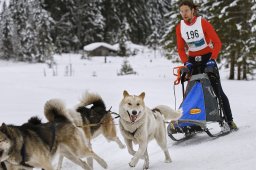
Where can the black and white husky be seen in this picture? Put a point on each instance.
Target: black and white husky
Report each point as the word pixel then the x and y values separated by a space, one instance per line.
pixel 34 144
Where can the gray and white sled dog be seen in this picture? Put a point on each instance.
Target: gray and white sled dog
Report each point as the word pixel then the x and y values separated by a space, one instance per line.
pixel 34 144
pixel 97 120
pixel 139 125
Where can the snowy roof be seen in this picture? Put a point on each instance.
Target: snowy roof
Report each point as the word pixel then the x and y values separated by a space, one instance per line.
pixel 129 45
pixel 93 46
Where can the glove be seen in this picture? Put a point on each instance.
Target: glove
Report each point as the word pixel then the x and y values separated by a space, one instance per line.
pixel 188 65
pixel 211 63
pixel 184 70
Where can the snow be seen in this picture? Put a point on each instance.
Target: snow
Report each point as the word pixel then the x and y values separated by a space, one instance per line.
pixel 233 4
pixel 253 18
pixel 2 2
pixel 25 89
pixel 93 46
pixel 223 11
pixel 239 27
pixel 253 7
pixel 216 4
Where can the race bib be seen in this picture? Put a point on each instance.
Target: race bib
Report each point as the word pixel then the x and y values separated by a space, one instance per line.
pixel 193 35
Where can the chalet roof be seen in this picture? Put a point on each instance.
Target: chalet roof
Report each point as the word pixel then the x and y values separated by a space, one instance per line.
pixel 93 46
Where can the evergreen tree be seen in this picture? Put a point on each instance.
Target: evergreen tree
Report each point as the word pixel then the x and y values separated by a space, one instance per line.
pixel 135 12
pixel 19 17
pixel 28 44
pixel 6 46
pixel 123 39
pixel 76 23
pixel 112 20
pixel 63 34
pixel 169 38
pixel 214 12
pixel 234 33
pixel 21 28
pixel 42 24
pixel 251 59
pixel 126 68
pixel 93 23
pixel 29 35
pixel 157 10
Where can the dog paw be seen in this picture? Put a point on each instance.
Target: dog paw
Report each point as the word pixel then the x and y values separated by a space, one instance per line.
pixel 168 161
pixel 133 162
pixel 122 146
pixel 131 152
pixel 105 165
pixel 131 165
pixel 146 166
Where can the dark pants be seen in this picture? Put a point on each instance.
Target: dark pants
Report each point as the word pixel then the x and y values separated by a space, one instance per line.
pixel 199 67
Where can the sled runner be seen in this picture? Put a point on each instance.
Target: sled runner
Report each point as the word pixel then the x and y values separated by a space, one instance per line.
pixel 202 109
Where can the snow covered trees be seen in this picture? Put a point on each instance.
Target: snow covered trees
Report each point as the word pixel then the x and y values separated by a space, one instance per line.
pixel 25 28
pixel 6 46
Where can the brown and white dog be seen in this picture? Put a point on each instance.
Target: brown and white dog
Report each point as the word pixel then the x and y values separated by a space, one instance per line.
pixel 97 120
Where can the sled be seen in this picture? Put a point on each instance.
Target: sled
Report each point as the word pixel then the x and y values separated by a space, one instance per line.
pixel 202 109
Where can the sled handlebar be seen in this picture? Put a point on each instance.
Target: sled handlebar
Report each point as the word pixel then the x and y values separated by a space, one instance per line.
pixel 177 73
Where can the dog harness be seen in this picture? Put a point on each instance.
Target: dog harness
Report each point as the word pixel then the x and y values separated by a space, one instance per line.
pixel 3 166
pixel 24 155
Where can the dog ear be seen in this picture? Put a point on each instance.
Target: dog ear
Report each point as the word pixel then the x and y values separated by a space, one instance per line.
pixel 4 128
pixel 3 125
pixel 125 93
pixel 142 95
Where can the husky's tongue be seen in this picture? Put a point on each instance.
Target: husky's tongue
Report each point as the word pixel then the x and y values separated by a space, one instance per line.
pixel 133 118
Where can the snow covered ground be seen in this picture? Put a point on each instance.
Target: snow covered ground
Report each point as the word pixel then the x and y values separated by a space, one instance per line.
pixel 26 87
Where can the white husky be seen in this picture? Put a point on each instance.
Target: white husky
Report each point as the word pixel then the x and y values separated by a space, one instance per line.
pixel 139 124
